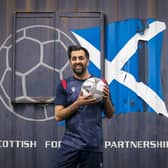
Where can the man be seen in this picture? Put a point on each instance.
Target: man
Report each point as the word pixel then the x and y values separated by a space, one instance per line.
pixel 82 143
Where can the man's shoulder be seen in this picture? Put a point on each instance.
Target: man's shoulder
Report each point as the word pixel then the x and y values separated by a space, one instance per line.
pixel 68 79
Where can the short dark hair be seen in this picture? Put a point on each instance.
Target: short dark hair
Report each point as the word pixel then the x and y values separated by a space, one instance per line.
pixel 77 48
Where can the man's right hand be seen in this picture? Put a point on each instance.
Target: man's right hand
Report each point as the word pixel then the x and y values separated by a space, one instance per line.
pixel 84 100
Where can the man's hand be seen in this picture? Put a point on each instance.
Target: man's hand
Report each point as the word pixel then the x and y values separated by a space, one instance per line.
pixel 106 93
pixel 84 100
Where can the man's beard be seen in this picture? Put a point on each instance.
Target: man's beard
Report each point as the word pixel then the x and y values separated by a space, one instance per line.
pixel 79 72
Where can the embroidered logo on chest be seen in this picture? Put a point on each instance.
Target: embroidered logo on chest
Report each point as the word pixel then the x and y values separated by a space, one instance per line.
pixel 73 89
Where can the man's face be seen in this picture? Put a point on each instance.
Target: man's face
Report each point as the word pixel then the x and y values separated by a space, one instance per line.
pixel 78 62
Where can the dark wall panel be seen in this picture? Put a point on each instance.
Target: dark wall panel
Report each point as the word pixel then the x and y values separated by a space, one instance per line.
pixel 34 123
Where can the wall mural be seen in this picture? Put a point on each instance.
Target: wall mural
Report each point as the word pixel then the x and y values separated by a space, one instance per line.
pixel 133 54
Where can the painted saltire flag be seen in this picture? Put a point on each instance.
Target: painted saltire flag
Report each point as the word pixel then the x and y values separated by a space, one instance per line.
pixel 122 67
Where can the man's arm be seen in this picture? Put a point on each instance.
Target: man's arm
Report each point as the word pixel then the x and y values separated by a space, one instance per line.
pixel 61 112
pixel 108 106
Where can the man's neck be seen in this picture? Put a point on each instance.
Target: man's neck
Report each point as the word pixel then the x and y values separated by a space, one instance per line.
pixel 83 76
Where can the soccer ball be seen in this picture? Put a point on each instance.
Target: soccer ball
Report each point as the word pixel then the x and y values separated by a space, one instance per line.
pixel 93 86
